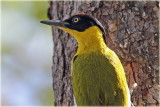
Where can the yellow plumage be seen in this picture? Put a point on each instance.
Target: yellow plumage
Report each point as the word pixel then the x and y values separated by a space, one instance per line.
pixel 98 77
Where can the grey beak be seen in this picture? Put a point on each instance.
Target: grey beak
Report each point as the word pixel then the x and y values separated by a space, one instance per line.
pixel 55 23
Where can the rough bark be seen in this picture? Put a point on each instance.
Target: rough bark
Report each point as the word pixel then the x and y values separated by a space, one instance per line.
pixel 132 32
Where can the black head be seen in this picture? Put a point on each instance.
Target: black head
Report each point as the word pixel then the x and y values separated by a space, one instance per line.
pixel 81 22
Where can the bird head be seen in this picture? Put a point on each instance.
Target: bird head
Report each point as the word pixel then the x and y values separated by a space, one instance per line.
pixel 81 26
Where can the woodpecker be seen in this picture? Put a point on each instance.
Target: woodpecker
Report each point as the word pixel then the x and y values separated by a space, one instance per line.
pixel 98 77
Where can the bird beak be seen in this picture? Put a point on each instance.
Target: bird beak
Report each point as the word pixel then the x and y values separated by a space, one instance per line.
pixel 57 23
pixel 61 25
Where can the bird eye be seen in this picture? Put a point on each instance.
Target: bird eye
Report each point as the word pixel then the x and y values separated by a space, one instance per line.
pixel 75 19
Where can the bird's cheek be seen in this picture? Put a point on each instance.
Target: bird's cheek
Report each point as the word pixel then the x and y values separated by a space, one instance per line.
pixel 74 33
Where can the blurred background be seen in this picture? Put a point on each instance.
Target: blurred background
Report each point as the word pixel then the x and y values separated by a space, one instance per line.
pixel 26 54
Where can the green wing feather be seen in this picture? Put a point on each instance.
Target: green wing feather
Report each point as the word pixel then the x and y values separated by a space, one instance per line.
pixel 98 78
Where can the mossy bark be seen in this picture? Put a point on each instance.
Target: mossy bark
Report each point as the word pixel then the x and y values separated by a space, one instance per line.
pixel 132 32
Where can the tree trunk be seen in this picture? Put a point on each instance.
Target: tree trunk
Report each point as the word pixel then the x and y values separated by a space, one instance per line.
pixel 132 32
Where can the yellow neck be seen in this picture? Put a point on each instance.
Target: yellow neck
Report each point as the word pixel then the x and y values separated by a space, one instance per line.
pixel 89 40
